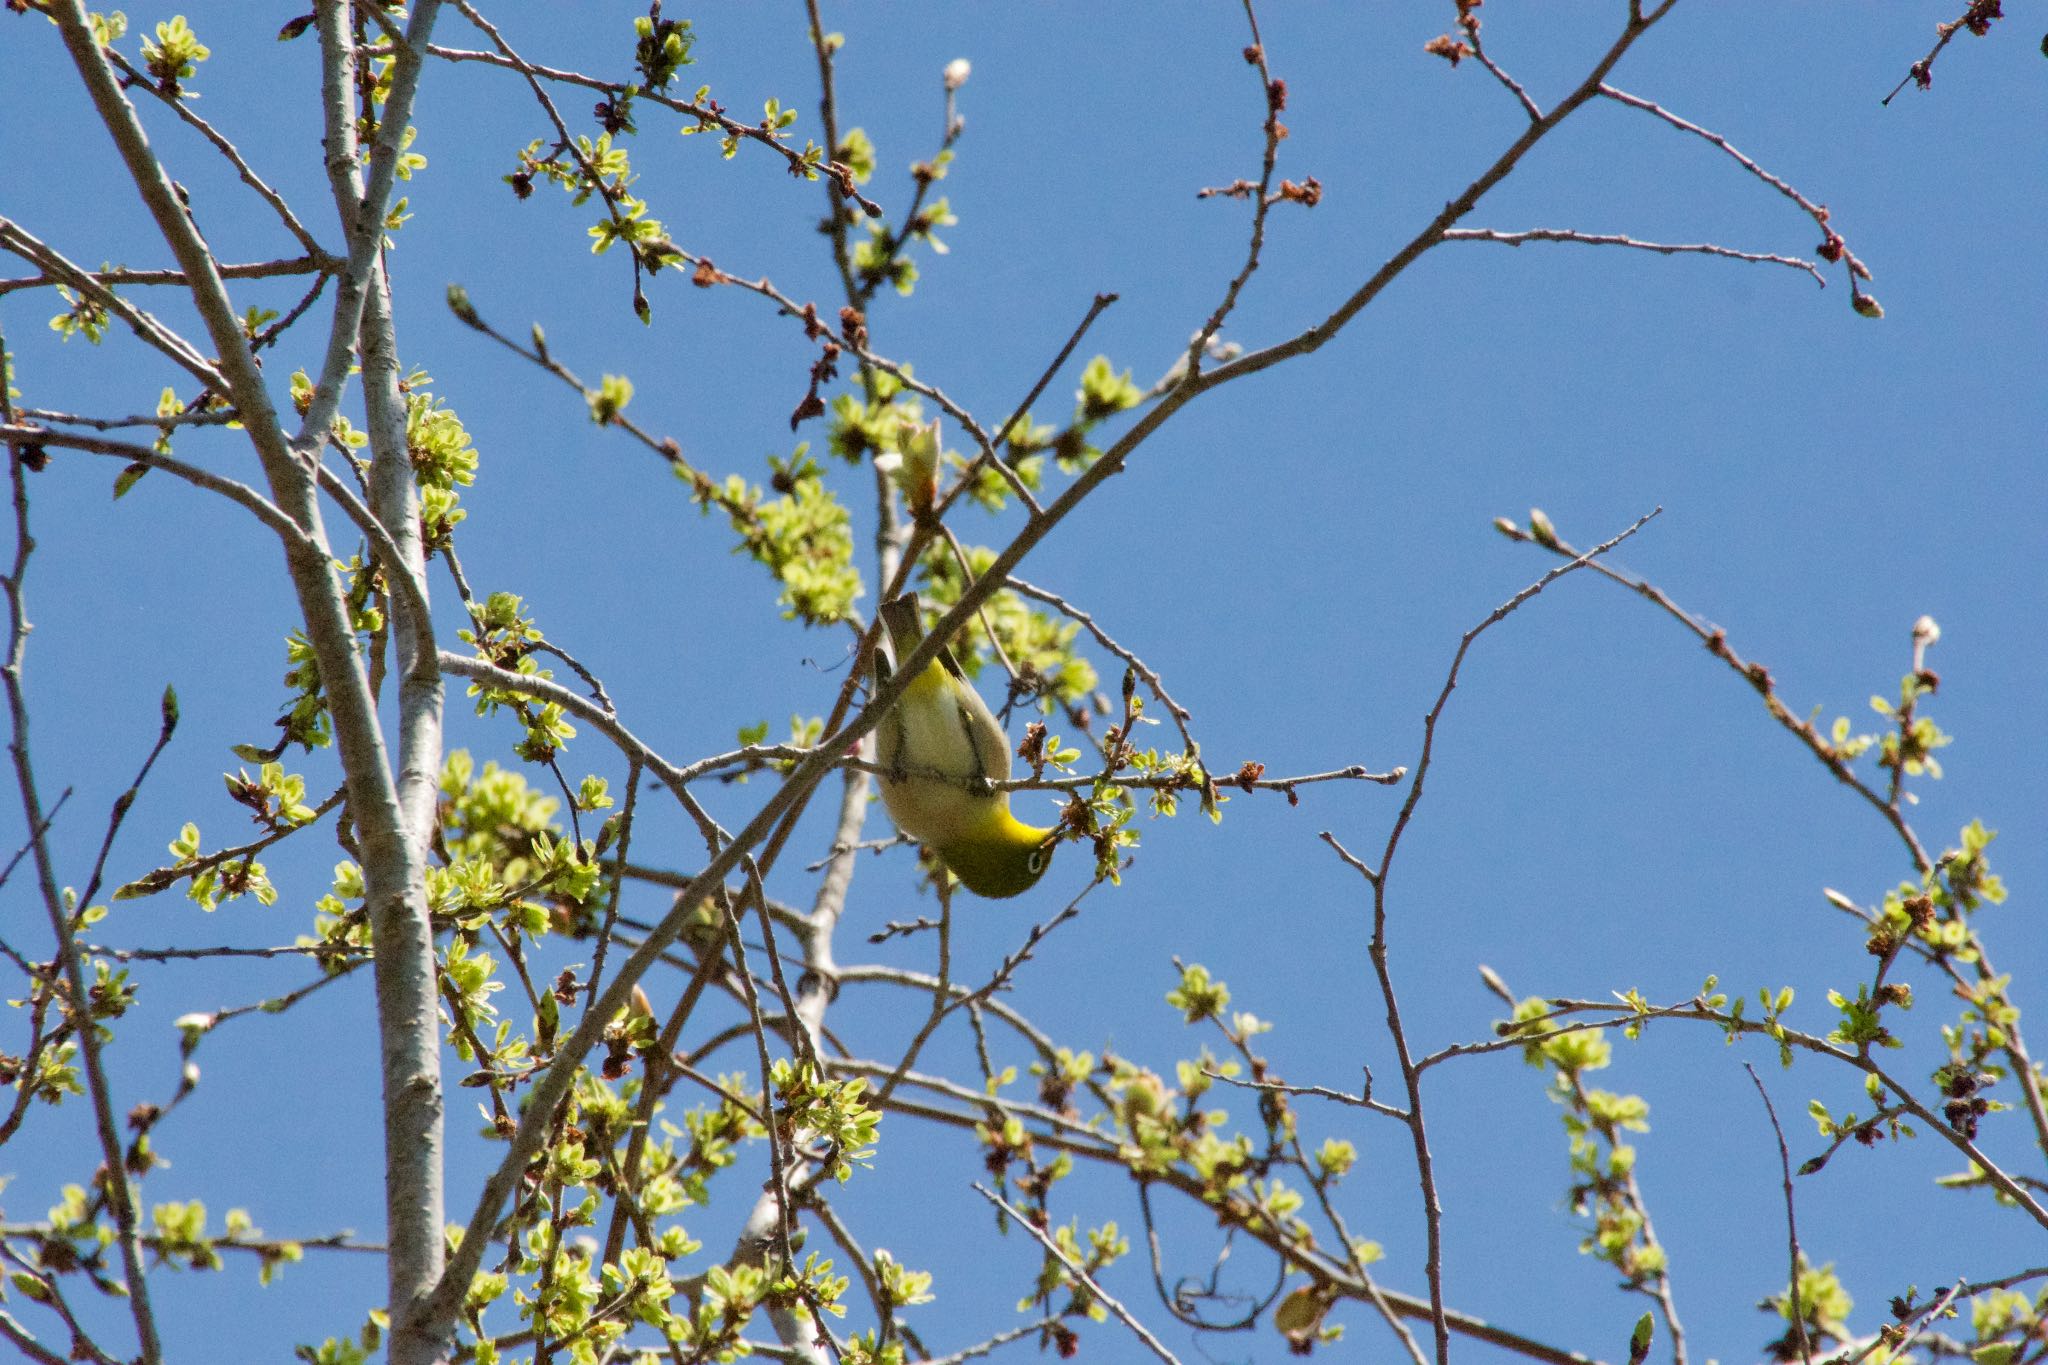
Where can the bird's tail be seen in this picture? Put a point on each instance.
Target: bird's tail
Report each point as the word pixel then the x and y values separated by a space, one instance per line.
pixel 904 621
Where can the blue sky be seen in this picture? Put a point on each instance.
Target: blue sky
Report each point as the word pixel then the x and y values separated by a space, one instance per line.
pixel 1297 554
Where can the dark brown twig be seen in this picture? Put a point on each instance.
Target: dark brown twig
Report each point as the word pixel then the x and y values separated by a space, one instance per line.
pixel 706 117
pixel 1411 1074
pixel 1273 95
pixel 1513 86
pixel 1832 247
pixel 1977 19
pixel 1081 1276
pixel 1791 1218
pixel 119 1189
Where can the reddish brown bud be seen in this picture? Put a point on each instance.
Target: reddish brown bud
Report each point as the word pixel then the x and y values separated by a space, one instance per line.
pixel 1308 193
pixel 854 324
pixel 1448 48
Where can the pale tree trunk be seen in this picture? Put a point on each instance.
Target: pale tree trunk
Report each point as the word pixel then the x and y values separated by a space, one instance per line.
pixel 392 816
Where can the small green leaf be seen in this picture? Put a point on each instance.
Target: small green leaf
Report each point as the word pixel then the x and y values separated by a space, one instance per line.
pixel 549 1020
pixel 128 478
pixel 1639 1340
pixel 610 399
pixel 31 1286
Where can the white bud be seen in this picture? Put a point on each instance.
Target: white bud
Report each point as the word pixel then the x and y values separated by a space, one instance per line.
pixel 1925 631
pixel 957 72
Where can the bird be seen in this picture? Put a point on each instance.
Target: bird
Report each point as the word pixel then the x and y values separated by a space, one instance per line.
pixel 936 739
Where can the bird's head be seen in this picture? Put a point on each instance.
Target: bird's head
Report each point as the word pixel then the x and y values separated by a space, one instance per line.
pixel 1005 858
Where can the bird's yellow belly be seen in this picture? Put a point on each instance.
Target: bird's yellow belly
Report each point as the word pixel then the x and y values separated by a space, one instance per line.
pixel 929 723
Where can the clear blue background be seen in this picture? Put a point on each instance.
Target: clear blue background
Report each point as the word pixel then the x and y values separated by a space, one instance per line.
pixel 1297 554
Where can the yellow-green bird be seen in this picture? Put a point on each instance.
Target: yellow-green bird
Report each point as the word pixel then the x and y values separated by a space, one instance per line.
pixel 939 736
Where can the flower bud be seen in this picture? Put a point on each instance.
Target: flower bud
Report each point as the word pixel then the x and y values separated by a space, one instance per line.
pixel 915 464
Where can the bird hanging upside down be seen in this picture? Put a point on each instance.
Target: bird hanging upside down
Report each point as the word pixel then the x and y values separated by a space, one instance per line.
pixel 936 740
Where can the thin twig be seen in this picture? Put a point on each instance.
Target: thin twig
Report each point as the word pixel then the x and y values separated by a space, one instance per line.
pixel 145 325
pixel 1976 17
pixel 1832 246
pixel 7 872
pixel 1615 239
pixel 184 110
pixel 993 452
pixel 116 275
pixel 126 799
pixel 1513 86
pixel 154 881
pixel 236 492
pixel 1359 1101
pixel 1002 1338
pixel 1181 715
pixel 1411 1074
pixel 705 116
pixel 618 880
pixel 172 420
pixel 119 1189
pixel 1273 95
pixel 1791 1218
pixel 1123 1314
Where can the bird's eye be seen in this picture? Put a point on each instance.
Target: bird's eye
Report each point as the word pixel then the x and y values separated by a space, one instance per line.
pixel 1036 862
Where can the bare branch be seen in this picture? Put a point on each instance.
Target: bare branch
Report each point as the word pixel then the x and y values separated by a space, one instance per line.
pixel 1832 246
pixel 119 1188
pixel 1514 87
pixel 1181 715
pixel 1052 1248
pixel 1612 239
pixel 1411 1073
pixel 1363 1100
pixel 22 243
pixel 109 278
pixel 184 110
pixel 705 116
pixel 1791 1218
pixel 1315 337
pixel 241 494
pixel 1977 18
pixel 1273 95
pixel 993 453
